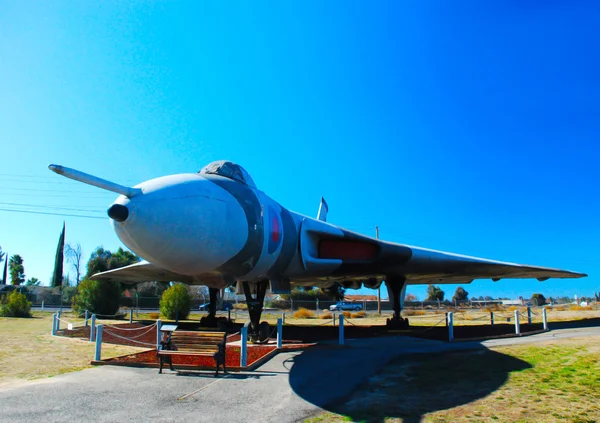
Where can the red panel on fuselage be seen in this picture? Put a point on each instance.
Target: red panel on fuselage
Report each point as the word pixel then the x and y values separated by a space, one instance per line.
pixel 346 250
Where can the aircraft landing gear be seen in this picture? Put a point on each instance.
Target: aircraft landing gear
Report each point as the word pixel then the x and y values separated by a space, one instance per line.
pixel 395 286
pixel 259 332
pixel 210 321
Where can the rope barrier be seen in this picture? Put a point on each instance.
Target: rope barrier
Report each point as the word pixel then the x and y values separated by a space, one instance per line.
pixel 118 328
pixel 428 329
pixel 141 334
pixel 130 340
pixel 71 323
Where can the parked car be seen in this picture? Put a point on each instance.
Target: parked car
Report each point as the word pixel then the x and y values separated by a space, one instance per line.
pixel 345 306
pixel 226 306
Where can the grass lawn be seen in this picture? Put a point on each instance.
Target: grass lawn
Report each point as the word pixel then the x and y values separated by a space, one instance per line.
pixel 29 351
pixel 550 382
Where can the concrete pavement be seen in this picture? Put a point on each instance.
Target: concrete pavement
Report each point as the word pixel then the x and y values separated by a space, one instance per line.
pixel 289 388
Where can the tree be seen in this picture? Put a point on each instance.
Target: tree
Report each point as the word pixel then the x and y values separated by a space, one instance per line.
pixel 538 299
pixel 102 260
pixel 434 293
pixel 5 273
pixel 33 282
pixel 74 254
pixel 460 294
pixel 16 269
pixel 410 298
pixel 97 297
pixel 335 291
pixel 2 254
pixel 57 275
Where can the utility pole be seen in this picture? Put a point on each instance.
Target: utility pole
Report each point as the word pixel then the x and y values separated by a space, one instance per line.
pixel 379 288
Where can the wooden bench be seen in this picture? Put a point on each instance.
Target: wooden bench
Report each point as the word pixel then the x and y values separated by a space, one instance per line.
pixel 205 344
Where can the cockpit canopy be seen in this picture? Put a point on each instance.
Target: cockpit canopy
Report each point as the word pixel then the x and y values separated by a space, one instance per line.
pixel 229 170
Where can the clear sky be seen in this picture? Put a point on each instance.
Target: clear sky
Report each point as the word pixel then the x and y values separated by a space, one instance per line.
pixel 470 127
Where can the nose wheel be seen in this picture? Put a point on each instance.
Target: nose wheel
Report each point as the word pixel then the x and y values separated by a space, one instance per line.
pixel 210 321
pixel 255 298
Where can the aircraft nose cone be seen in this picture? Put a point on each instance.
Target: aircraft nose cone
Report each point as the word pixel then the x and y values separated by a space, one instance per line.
pixel 118 212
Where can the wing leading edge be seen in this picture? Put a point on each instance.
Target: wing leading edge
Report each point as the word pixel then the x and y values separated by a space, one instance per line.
pixel 142 272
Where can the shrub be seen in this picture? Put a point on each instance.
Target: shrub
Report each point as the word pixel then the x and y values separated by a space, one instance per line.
pixel 175 302
pixel 409 312
pixel 15 304
pixel 575 307
pixel 347 314
pixel 240 306
pixel 326 315
pixel 154 316
pixel 97 297
pixel 358 315
pixel 304 313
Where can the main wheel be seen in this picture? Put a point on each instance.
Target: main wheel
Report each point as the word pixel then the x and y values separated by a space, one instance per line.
pixel 264 331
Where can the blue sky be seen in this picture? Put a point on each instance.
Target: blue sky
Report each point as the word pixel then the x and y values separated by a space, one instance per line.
pixel 470 127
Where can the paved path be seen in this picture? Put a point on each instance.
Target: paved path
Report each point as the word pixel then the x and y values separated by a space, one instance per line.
pixel 289 388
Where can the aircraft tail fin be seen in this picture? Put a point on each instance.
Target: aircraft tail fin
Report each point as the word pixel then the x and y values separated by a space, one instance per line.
pixel 95 181
pixel 323 209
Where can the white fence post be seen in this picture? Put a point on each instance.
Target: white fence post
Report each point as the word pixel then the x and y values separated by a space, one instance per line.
pixel 341 329
pixel 158 333
pixel 58 321
pixel 54 324
pixel 450 326
pixel 98 342
pixel 545 318
pixel 131 315
pixel 42 305
pixel 529 315
pixel 87 316
pixel 279 333
pixel 244 347
pixel 517 323
pixel 93 328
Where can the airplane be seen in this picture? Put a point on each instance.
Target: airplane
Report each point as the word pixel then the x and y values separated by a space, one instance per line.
pixel 216 228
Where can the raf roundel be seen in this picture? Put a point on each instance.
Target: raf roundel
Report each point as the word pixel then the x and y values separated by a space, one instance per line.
pixel 275 230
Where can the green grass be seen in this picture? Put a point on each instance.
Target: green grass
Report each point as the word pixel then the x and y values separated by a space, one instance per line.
pixel 29 351
pixel 541 383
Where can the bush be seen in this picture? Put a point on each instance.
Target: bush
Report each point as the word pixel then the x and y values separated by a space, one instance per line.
pixel 97 297
pixel 326 315
pixel 410 312
pixel 575 307
pixel 154 316
pixel 347 314
pixel 15 304
pixel 175 302
pixel 358 315
pixel 240 306
pixel 304 313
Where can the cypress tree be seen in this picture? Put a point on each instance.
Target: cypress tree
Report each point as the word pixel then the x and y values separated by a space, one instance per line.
pixel 4 280
pixel 57 276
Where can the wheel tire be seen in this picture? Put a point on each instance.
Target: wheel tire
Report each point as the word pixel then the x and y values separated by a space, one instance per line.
pixel 263 331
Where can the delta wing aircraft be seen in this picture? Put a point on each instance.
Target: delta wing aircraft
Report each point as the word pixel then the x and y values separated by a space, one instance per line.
pixel 215 228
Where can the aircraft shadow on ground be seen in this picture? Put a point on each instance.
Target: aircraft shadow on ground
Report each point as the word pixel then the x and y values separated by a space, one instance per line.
pixel 408 387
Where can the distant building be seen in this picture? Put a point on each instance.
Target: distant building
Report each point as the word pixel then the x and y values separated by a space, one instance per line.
pixel 360 298
pixel 512 302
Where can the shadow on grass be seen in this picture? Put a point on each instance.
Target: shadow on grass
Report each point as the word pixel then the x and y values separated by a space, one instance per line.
pixel 408 387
